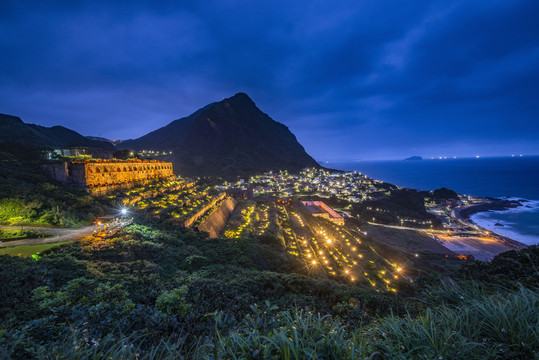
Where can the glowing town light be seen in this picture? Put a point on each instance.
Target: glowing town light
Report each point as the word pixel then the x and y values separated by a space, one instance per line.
pixel 123 211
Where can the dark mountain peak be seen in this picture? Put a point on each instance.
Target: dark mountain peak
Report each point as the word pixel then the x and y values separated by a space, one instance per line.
pixel 240 101
pixel 241 97
pixel 6 119
pixel 229 137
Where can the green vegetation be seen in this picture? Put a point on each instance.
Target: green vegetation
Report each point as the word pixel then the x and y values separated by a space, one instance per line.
pixel 239 223
pixel 444 194
pixel 28 250
pixel 402 207
pixel 29 196
pixel 157 292
pixel 499 325
pixel 283 285
pixel 10 235
pixel 508 269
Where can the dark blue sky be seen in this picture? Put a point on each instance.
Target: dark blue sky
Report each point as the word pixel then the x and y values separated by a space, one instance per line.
pixel 352 79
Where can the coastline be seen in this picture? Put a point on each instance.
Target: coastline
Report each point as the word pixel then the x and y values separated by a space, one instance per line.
pixel 518 223
pixel 465 215
pixel 493 204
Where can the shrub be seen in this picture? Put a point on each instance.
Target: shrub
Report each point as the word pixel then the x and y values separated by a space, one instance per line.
pixel 174 301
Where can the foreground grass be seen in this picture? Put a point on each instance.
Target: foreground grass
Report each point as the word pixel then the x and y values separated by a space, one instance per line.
pixel 150 293
pixel 468 323
pixel 29 250
pixel 478 327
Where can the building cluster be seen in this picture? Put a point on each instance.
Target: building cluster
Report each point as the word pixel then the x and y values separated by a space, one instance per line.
pixel 349 186
pixel 153 153
pixel 79 151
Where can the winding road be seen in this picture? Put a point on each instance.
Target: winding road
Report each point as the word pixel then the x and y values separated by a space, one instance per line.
pixel 59 235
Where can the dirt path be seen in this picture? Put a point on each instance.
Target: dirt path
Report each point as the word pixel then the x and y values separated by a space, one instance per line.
pixel 59 235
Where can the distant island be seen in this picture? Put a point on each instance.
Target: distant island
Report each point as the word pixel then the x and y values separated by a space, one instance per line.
pixel 414 158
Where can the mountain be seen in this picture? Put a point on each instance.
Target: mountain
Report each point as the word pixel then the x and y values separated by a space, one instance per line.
pixel 229 137
pixel 14 130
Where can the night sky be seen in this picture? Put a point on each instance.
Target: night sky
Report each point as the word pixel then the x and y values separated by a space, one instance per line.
pixel 352 79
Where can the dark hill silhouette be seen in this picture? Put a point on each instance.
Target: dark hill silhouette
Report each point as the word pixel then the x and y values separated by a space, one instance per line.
pixel 229 137
pixel 14 130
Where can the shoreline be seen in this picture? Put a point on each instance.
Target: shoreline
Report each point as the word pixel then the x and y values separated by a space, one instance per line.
pixel 465 214
pixel 494 204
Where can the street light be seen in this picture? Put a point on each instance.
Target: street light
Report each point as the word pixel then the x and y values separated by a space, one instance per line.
pixel 123 211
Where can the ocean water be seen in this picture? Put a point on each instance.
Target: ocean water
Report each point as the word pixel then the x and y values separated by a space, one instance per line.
pixel 507 177
pixel 521 224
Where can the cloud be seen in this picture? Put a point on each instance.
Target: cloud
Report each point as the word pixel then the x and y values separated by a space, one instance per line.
pixel 369 79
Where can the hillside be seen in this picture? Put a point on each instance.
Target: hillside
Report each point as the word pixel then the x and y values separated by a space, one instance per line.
pixel 153 292
pixel 156 290
pixel 230 137
pixel 14 130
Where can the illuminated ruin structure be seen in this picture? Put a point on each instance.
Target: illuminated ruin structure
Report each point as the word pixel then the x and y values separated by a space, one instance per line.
pixel 320 209
pixel 101 176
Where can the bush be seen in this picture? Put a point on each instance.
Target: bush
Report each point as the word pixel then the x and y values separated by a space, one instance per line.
pixel 174 301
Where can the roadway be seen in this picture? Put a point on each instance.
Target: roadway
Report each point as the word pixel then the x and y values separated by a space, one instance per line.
pixel 59 235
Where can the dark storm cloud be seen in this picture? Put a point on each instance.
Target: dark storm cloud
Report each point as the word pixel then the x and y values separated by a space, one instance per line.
pixel 351 79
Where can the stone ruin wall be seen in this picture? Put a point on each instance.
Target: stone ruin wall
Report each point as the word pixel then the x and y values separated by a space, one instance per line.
pixel 201 212
pixel 101 177
pixel 117 173
pixel 216 222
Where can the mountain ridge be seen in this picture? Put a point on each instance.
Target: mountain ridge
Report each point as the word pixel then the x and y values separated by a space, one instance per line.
pixel 14 130
pixel 231 136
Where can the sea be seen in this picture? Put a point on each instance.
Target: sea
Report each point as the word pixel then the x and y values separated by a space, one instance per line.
pixel 502 177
